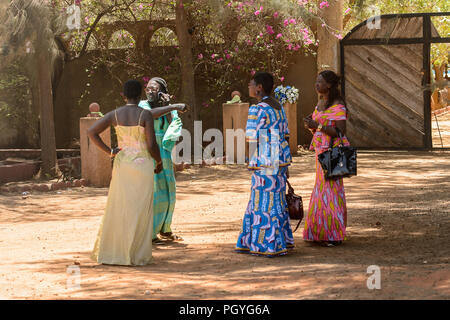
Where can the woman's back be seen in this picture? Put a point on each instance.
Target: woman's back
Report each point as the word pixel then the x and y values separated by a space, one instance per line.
pixel 130 130
pixel 265 126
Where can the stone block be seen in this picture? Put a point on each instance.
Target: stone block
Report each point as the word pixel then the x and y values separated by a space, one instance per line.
pixel 95 164
pixel 291 114
pixel 235 117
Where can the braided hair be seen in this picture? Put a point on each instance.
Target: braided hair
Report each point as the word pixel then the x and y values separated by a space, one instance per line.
pixel 333 79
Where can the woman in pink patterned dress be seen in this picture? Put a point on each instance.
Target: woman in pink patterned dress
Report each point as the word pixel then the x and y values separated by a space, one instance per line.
pixel 326 219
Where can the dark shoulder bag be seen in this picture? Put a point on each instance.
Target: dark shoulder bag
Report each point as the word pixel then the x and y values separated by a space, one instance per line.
pixel 338 162
pixel 295 205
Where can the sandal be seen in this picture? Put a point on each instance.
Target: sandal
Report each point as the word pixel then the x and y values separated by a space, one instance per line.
pixel 157 241
pixel 330 243
pixel 172 237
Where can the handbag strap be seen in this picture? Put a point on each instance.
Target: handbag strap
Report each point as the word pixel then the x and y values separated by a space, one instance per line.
pixel 289 186
pixel 298 224
pixel 339 136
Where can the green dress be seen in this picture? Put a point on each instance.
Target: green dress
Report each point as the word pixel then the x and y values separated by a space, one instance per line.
pixel 164 182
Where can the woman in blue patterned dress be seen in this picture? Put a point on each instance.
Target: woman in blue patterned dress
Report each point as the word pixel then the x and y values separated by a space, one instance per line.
pixel 266 226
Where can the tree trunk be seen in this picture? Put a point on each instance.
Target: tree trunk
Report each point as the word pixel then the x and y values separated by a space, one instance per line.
pixel 187 66
pixel 439 72
pixel 328 53
pixel 47 122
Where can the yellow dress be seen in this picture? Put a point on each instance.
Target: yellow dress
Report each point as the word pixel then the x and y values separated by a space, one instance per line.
pixel 125 235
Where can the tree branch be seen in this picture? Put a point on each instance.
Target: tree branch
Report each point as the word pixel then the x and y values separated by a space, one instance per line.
pixel 91 29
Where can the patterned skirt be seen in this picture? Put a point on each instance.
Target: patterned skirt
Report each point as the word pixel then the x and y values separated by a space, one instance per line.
pixel 325 220
pixel 266 226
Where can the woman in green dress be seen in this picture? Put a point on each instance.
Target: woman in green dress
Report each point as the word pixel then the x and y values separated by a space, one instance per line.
pixel 167 130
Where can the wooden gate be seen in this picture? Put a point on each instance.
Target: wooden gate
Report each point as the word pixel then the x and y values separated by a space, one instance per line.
pixel 385 64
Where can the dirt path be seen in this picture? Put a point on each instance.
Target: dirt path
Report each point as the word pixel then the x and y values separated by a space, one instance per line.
pixel 399 219
pixel 441 130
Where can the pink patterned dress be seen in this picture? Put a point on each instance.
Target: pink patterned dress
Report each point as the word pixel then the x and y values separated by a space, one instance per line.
pixel 327 206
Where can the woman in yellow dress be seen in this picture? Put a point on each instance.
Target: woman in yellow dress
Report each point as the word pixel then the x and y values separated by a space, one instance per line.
pixel 125 234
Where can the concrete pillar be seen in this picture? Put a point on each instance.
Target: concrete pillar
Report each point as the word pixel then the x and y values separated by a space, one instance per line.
pixel 291 113
pixel 95 164
pixel 328 54
pixel 234 117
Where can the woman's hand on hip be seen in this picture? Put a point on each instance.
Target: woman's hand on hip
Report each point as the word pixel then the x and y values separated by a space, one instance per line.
pixel 158 167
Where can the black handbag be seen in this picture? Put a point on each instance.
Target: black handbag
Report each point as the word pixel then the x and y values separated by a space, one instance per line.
pixel 338 162
pixel 295 205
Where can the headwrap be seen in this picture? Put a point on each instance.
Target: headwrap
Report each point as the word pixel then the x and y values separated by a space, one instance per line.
pixel 162 83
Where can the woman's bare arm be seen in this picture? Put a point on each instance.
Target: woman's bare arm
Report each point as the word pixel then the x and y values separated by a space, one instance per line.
pixel 98 127
pixel 150 138
pixel 159 112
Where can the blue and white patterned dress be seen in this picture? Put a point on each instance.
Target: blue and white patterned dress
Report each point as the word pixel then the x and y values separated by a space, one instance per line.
pixel 266 226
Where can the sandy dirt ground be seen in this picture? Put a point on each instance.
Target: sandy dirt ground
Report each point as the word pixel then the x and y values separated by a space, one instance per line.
pixel 398 219
pixel 441 130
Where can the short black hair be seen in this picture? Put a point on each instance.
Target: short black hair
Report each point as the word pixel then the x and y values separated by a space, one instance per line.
pixel 132 89
pixel 265 79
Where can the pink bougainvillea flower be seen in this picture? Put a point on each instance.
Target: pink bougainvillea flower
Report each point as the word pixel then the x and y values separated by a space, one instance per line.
pixel 269 29
pixel 236 49
pixel 292 21
pixel 276 14
pixel 302 2
pixel 279 35
pixel 286 22
pixel 324 4
pixel 282 79
pixel 213 55
pixel 141 6
pixel 249 43
pixel 145 79
pixel 289 46
pixel 228 56
pixel 253 72
pixel 346 11
pixel 338 36
pixel 200 56
pixel 77 2
pixel 257 12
